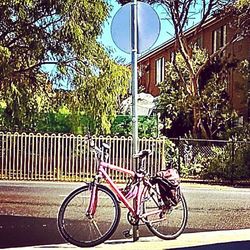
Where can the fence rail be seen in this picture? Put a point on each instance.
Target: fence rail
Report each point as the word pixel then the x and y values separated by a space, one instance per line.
pixel 61 157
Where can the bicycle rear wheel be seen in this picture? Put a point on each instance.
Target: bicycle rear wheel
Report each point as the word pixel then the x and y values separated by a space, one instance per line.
pixel 165 223
pixel 81 229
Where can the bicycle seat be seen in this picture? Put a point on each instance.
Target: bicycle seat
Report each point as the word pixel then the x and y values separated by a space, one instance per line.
pixel 142 154
pixel 106 146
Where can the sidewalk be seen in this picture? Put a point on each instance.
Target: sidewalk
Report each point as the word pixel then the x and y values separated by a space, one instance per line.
pixel 215 240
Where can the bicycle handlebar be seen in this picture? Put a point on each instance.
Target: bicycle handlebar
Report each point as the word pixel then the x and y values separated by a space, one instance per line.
pixel 142 154
pixel 101 152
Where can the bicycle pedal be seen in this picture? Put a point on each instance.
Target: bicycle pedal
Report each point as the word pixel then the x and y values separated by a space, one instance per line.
pixel 127 234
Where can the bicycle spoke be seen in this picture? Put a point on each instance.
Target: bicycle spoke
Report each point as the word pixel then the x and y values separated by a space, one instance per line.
pixel 170 222
pixel 96 227
pixel 82 230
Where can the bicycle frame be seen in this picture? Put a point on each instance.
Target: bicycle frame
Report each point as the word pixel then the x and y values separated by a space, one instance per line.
pixel 141 189
pixel 140 192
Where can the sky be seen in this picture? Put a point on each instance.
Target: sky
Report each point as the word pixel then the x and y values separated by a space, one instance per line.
pixel 166 31
pixel 107 40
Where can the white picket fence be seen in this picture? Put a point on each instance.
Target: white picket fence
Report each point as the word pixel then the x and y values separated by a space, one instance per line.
pixel 61 157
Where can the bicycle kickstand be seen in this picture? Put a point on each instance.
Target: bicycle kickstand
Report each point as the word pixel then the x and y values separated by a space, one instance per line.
pixel 132 232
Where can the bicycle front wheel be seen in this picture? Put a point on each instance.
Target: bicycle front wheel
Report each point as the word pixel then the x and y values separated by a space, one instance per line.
pixel 165 223
pixel 80 229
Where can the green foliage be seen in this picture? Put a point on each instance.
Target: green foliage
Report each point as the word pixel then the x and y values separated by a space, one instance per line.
pixel 174 101
pixel 195 167
pixel 212 103
pixel 244 68
pixel 187 70
pixel 220 165
pixel 63 123
pixel 216 110
pixel 53 43
pixel 23 107
pixel 241 163
pixel 147 127
pixel 54 123
pixel 122 126
pixel 242 4
pixel 242 151
pixel 171 154
pixel 98 93
pixel 231 162
pixel 4 56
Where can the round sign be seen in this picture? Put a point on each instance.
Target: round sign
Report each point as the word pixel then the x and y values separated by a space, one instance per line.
pixel 148 27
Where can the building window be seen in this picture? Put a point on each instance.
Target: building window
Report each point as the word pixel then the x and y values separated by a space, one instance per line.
pixel 160 70
pixel 172 56
pixel 199 42
pixel 219 38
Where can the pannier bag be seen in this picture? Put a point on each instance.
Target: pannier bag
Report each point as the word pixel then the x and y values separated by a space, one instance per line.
pixel 169 186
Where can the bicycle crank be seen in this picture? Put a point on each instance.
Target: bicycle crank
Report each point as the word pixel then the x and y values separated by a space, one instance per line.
pixel 132 220
pixel 128 233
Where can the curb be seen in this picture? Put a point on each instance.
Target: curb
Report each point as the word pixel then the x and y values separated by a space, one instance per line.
pixel 222 240
pixel 219 183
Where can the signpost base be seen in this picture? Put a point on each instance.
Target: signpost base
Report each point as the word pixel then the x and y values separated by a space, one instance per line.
pixel 135 233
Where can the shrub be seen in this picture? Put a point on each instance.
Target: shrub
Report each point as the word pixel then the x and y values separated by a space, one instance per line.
pixel 231 162
pixel 122 126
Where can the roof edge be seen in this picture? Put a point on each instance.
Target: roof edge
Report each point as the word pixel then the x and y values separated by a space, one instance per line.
pixel 189 31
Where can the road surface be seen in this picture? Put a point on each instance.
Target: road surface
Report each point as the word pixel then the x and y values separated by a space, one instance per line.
pixel 28 211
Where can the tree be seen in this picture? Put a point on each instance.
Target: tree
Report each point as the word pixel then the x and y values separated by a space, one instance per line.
pixel 44 43
pixel 99 90
pixel 242 3
pixel 177 105
pixel 178 14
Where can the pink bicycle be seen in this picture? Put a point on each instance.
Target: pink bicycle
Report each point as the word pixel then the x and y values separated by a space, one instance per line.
pixel 90 214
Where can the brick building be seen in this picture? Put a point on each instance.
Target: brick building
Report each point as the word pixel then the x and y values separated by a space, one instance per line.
pixel 214 34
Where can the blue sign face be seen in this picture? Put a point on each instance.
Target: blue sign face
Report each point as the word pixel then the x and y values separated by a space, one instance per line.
pixel 148 27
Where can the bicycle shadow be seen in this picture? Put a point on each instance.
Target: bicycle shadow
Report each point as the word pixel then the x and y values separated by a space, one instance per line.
pixel 21 231
pixel 18 231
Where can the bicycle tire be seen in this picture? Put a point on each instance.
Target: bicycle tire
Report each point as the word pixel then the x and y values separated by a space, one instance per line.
pixel 168 224
pixel 77 229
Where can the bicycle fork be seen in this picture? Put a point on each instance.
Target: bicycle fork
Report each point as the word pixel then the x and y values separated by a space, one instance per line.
pixel 90 213
pixel 92 201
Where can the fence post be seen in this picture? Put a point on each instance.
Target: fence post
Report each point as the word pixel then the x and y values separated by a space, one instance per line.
pixel 234 139
pixel 179 155
pixel 163 153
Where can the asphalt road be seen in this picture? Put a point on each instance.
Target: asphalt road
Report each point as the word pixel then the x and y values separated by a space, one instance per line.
pixel 28 211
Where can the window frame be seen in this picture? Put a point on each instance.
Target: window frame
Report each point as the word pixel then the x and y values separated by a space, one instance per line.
pixel 159 70
pixel 219 38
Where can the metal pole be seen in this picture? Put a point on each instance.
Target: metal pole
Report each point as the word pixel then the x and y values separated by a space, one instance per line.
pixel 134 83
pixel 134 46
